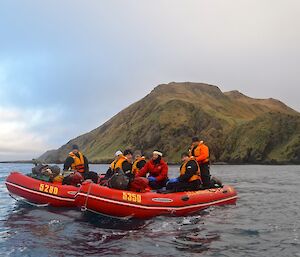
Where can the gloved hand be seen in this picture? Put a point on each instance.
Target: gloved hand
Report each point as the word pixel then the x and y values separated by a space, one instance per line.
pixel 151 179
pixel 173 180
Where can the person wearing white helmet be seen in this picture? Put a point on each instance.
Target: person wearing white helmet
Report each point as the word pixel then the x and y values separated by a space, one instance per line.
pixel 123 162
pixel 112 166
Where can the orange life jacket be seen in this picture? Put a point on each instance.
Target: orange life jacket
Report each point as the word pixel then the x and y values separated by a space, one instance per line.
pixel 183 170
pixel 135 169
pixel 78 163
pixel 200 152
pixel 118 163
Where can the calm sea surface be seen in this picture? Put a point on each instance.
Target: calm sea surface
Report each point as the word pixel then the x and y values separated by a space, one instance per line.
pixel 265 222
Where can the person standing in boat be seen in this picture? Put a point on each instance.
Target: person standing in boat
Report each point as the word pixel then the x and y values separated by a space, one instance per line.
pixel 189 178
pixel 76 161
pixel 201 153
pixel 157 169
pixel 138 163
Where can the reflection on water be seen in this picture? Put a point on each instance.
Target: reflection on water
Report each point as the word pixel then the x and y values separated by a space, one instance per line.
pixel 265 222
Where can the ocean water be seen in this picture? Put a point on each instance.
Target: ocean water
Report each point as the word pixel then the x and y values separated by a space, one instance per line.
pixel 264 222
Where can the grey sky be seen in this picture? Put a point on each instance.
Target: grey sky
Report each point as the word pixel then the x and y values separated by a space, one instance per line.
pixel 67 66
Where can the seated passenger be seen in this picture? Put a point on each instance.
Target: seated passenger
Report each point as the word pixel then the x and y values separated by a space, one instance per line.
pixel 157 169
pixel 123 175
pixel 138 163
pixel 125 164
pixel 112 167
pixel 189 179
pixel 122 162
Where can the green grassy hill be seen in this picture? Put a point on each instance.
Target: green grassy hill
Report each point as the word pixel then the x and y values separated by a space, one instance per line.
pixel 238 129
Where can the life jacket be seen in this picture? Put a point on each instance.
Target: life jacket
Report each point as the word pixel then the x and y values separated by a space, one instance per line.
pixel 118 163
pixel 78 163
pixel 200 152
pixel 183 170
pixel 135 169
pixel 113 165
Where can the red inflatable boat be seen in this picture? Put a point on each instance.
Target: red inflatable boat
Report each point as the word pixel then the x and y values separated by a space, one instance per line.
pixel 40 192
pixel 113 202
pixel 126 204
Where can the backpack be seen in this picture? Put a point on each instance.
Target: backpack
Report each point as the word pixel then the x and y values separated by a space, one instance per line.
pixel 36 170
pixel 139 184
pixel 92 176
pixel 45 172
pixel 73 179
pixel 119 181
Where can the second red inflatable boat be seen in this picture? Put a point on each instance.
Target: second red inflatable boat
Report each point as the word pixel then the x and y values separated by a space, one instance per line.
pixel 127 204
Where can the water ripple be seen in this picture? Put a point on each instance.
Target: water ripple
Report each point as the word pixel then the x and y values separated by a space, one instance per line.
pixel 265 222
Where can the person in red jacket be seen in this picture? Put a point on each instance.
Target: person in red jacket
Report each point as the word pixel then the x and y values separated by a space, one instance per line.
pixel 157 169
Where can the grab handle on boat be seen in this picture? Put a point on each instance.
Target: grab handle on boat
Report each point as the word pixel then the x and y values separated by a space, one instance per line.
pixel 84 208
pixel 185 198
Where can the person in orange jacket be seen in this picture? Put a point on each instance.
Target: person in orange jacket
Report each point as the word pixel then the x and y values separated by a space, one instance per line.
pixel 157 169
pixel 201 153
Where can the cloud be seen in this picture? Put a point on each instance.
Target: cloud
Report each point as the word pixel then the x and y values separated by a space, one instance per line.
pixel 25 133
pixel 73 65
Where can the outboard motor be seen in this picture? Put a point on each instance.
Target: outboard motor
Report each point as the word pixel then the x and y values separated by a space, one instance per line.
pixel 215 182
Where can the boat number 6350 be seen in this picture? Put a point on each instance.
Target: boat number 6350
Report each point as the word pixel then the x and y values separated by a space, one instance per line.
pixel 130 197
pixel 48 189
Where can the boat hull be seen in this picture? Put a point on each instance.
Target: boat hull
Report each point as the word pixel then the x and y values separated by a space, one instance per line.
pixel 41 192
pixel 120 203
pixel 117 203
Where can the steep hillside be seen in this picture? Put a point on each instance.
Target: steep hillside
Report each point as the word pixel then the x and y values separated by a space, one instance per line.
pixel 270 138
pixel 236 127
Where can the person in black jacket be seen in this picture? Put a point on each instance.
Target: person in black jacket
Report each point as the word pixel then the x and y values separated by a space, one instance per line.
pixel 76 161
pixel 126 165
pixel 189 179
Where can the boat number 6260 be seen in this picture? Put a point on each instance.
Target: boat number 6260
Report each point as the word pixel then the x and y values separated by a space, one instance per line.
pixel 48 189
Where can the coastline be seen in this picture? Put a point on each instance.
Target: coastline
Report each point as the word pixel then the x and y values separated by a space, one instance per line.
pixel 273 163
